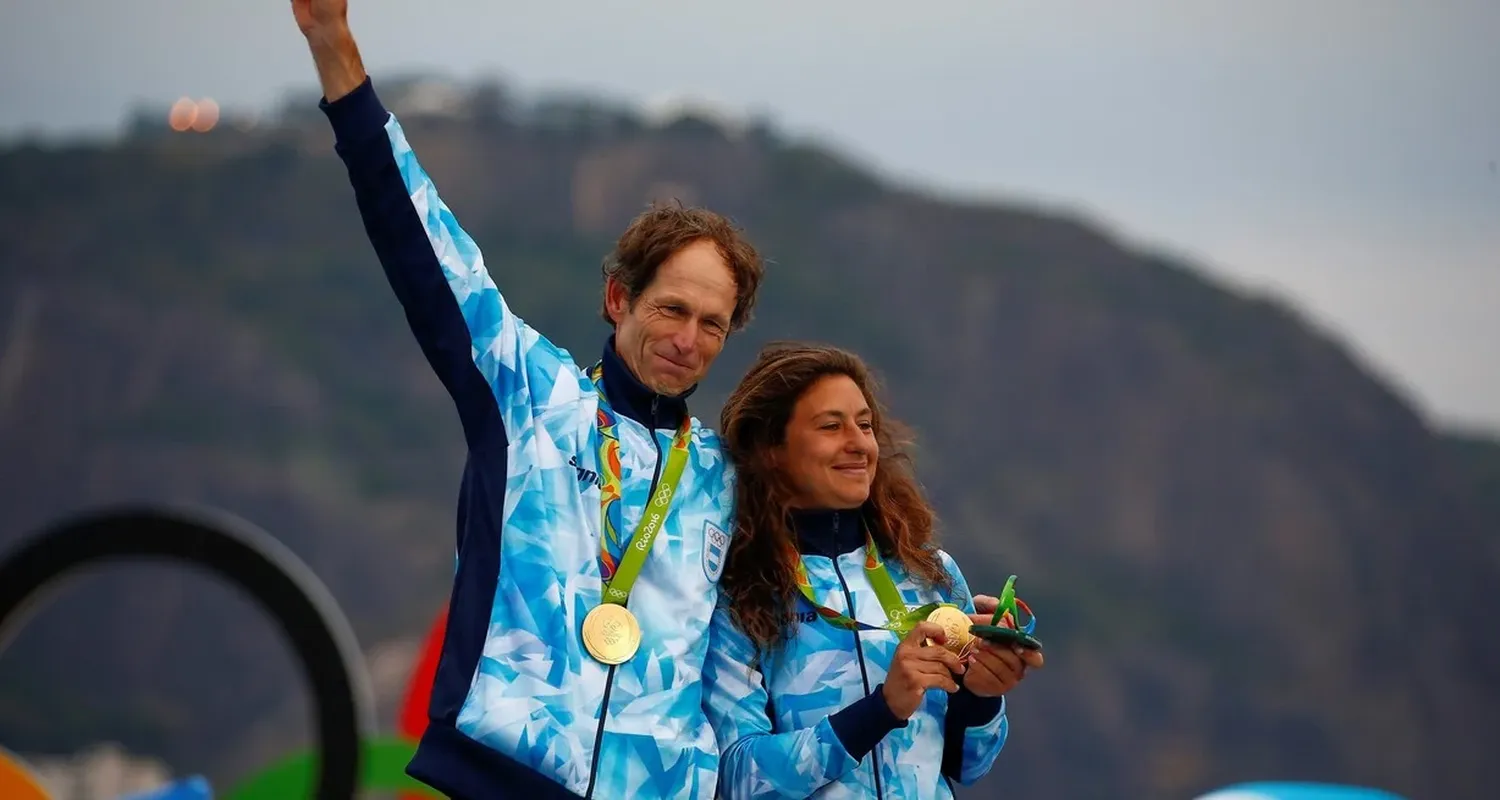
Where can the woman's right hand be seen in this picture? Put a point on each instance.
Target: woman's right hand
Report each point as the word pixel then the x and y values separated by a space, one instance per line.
pixel 916 669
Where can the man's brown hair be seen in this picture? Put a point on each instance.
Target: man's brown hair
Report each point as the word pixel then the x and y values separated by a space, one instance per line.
pixel 661 231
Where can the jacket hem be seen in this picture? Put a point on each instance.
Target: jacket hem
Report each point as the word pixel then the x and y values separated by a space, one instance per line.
pixel 464 769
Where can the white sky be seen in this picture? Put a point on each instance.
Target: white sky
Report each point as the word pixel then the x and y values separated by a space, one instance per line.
pixel 1341 151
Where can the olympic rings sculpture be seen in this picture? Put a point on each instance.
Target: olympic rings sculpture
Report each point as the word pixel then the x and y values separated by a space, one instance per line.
pixel 243 555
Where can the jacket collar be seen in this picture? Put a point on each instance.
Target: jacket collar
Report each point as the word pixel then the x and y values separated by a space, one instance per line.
pixel 631 398
pixel 828 532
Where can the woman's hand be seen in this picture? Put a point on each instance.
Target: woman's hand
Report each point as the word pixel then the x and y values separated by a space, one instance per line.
pixel 995 669
pixel 917 669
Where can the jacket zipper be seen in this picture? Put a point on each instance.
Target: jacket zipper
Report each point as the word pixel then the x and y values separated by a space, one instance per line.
pixel 609 680
pixel 859 651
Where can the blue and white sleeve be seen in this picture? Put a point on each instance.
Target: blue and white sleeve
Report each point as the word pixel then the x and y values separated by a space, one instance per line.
pixel 755 760
pixel 495 367
pixel 975 728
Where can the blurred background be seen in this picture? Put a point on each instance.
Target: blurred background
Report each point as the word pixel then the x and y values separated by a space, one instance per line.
pixel 1192 304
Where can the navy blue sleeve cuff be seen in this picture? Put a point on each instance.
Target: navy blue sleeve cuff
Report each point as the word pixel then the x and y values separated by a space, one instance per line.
pixel 863 724
pixel 970 710
pixel 356 117
pixel 965 710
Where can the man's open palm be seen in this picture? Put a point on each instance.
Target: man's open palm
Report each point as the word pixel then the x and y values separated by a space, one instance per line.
pixel 313 15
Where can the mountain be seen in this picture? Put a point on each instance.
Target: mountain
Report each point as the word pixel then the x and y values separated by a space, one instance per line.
pixel 1249 557
pixel 1477 459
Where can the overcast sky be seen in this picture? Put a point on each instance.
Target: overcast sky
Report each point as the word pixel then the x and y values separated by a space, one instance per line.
pixel 1341 151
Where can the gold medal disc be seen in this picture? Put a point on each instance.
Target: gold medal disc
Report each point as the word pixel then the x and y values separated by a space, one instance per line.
pixel 955 623
pixel 611 634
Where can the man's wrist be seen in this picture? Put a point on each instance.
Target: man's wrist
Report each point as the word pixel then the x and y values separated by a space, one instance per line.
pixel 336 56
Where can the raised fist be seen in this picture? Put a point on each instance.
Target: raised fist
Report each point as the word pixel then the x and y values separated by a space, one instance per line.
pixel 317 15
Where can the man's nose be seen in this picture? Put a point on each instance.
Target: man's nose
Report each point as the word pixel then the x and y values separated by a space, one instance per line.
pixel 685 338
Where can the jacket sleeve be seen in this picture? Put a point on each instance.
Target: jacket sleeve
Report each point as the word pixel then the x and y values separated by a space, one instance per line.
pixel 488 359
pixel 975 728
pixel 756 761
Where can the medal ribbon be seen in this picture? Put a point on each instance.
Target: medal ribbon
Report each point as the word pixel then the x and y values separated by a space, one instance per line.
pixel 619 574
pixel 900 619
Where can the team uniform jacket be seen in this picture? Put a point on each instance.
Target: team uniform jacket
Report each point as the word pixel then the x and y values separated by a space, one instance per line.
pixel 806 719
pixel 518 707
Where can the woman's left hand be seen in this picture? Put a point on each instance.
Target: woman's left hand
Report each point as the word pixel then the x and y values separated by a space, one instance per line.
pixel 996 669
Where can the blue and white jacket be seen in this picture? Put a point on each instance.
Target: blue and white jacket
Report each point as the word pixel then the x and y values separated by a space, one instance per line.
pixel 518 707
pixel 807 719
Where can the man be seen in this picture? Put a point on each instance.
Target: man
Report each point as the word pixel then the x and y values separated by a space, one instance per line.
pixel 578 618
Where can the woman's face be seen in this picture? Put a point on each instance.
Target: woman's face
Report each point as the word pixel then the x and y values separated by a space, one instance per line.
pixel 830 452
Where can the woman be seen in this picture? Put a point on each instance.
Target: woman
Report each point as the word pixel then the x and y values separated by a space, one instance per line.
pixel 808 699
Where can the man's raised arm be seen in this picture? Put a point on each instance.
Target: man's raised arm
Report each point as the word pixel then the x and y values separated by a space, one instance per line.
pixel 325 23
pixel 483 354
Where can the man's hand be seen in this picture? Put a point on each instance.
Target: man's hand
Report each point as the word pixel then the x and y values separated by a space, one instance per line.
pixel 916 669
pixel 314 16
pixel 984 605
pixel 325 23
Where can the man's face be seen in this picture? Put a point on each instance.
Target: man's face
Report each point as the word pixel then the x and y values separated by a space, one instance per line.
pixel 678 325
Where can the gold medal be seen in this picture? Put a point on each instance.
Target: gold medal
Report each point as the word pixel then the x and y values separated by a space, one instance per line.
pixel 955 623
pixel 611 634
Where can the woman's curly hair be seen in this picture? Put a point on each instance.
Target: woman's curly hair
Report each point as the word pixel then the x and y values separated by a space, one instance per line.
pixel 760 570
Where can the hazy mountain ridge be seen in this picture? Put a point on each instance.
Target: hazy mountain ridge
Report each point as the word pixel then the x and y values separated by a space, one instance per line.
pixel 1219 516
